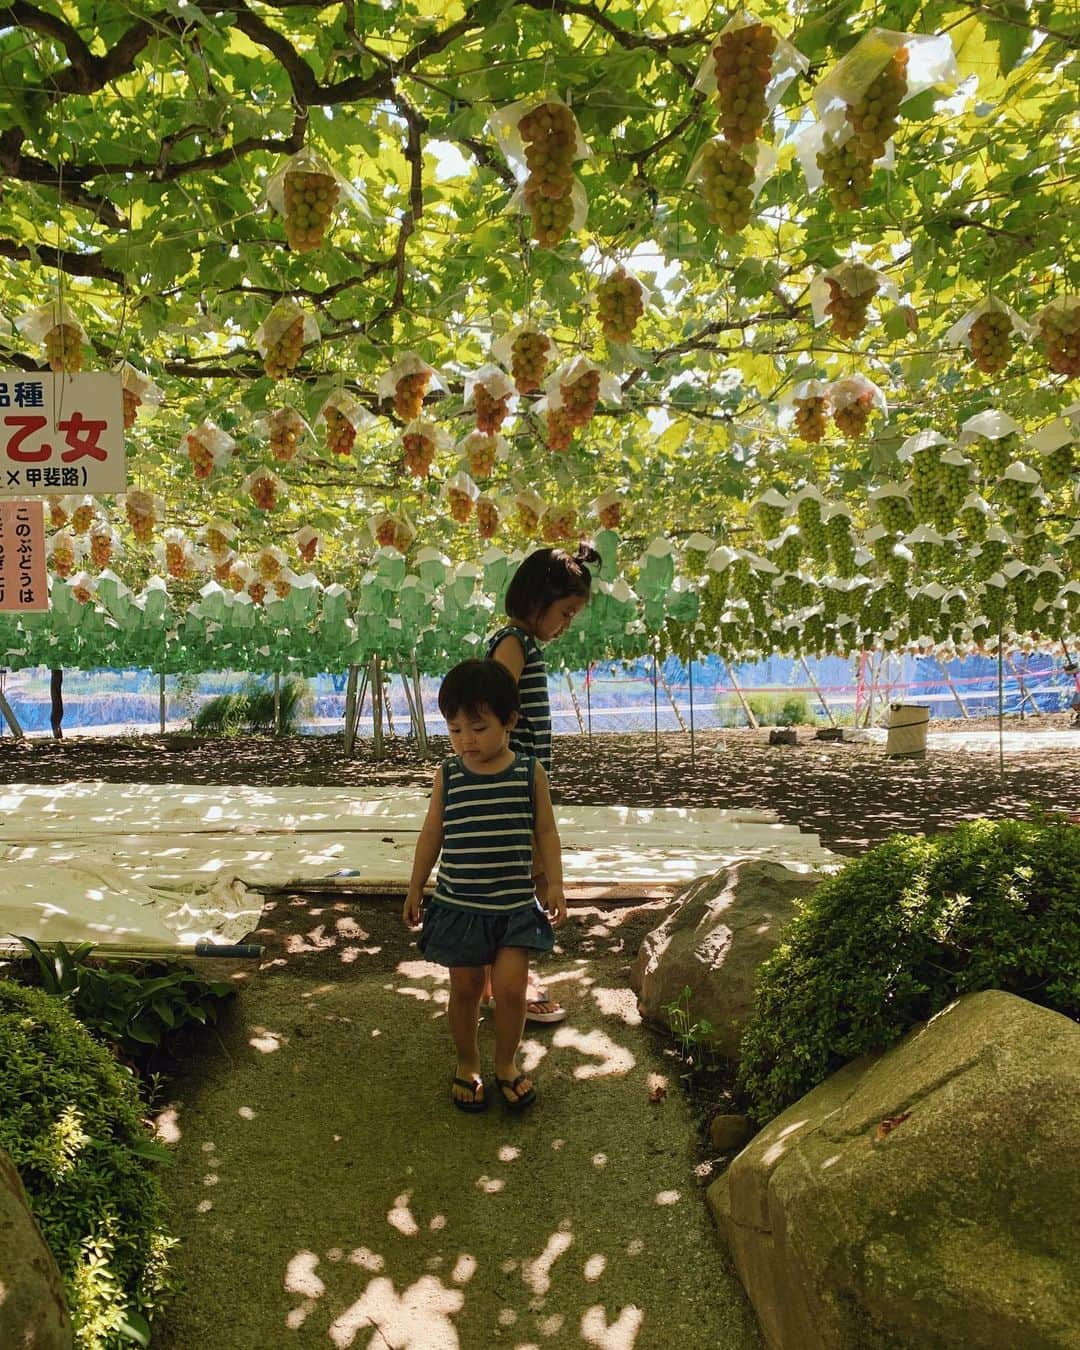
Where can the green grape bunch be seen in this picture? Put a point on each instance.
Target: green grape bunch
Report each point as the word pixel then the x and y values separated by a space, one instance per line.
pixel 810 418
pixel 727 179
pixel 1058 467
pixel 990 336
pixel 550 137
pixel 895 511
pixel 743 62
pixel 620 303
pixel 847 311
pixel 309 201
pixel 1059 329
pixel 847 167
pixel 993 456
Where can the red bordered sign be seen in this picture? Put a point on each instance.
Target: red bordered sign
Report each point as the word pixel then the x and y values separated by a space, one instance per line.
pixel 60 433
pixel 23 584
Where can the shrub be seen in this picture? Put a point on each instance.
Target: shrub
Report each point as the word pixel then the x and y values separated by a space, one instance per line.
pixel 770 710
pixel 71 1121
pixel 901 932
pixel 252 709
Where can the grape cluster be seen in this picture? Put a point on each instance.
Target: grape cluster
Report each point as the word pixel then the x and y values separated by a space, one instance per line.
pixel 101 547
pixel 200 454
pixel 847 167
pixel 132 403
pixel 550 138
pixel 952 486
pixel 340 432
pixel 808 513
pixel 743 60
pixel 141 511
pixel 263 490
pixel 1058 467
pixel 769 518
pixel 1060 331
pixel 386 532
pixel 810 414
pixel 1022 501
pixel 215 541
pixel 82 593
pixel 528 360
pixel 461 504
pixel 559 429
pixel 234 576
pixel 62 558
pixel 308 550
pixel 310 199
pixel 610 516
pixel 526 517
pixel 82 517
pixel 841 545
pixel 487 518
pixel 268 564
pixel 63 348
pixel 993 456
pixel 847 311
pixel 286 428
pixel 58 517
pixel 560 522
pixel 727 179
pixel 620 302
pixel 419 453
pixel 176 559
pixel 281 587
pixel 580 397
pixel 975 523
pixel 490 412
pixel 851 419
pixel 409 394
pixel 787 554
pixel 480 453
pixel 989 337
pixel 282 355
pixel 257 590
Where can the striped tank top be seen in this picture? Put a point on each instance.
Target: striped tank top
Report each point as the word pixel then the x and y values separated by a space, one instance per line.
pixel 486 861
pixel 532 735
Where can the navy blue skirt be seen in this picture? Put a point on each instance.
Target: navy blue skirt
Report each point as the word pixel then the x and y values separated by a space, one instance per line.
pixel 469 937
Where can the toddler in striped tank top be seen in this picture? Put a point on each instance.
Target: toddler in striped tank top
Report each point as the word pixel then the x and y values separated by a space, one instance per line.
pixel 545 595
pixel 490 808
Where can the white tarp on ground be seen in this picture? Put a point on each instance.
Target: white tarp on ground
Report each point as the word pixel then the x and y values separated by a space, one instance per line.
pixel 141 865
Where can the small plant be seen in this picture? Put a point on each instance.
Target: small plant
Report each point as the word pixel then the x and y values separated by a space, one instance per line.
pixel 692 1035
pixel 251 710
pixel 137 1008
pixel 770 710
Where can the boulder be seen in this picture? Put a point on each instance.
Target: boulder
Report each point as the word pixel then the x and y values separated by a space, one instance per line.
pixel 33 1311
pixel 924 1197
pixel 725 926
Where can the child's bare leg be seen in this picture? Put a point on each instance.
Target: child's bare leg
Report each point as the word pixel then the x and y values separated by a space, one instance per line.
pixel 466 984
pixel 510 978
pixel 488 994
pixel 538 1004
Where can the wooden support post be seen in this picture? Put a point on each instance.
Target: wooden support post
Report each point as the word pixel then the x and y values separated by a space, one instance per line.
pixel 9 717
pixel 350 711
pixel 820 695
pixel 376 685
pixel 656 707
pixel 574 701
pixel 386 681
pixel 1001 705
pixel 588 699
pixel 875 672
pixel 421 725
pixel 277 703
pixel 690 674
pixel 1025 697
pixel 674 705
pixel 161 702
pixel 952 689
pixel 739 694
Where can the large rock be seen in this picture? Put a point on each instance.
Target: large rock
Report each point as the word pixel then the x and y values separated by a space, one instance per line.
pixel 33 1311
pixel 713 943
pixel 928 1197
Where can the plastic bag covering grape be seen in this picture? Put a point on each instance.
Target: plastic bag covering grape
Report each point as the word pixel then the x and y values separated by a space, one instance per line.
pixel 280 319
pixel 760 155
pixel 307 161
pixel 959 333
pixel 787 61
pixel 854 277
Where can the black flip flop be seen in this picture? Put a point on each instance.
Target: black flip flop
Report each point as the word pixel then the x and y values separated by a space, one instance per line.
pixel 472 1084
pixel 522 1101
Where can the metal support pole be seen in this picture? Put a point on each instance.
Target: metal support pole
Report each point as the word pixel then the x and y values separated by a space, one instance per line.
pixel 952 687
pixel 875 671
pixel 574 701
pixel 817 690
pixel 161 702
pixel 1001 705
pixel 277 703
pixel 387 683
pixel 421 725
pixel 656 707
pixel 739 694
pixel 350 711
pixel 588 699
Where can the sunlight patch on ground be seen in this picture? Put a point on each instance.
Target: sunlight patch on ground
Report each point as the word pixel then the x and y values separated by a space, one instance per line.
pixel 613 1059
pixel 167 1125
pixel 668 1197
pixel 595 1267
pixel 464 1268
pixel 401 1217
pixel 537 1274
pixel 620 1003
pixel 490 1185
pixel 366 1259
pixel 267 1041
pixel 418 1319
pixel 619 1335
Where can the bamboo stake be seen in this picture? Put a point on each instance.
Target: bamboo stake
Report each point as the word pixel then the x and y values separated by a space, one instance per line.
pixel 421 725
pixel 948 680
pixel 375 684
pixel 821 696
pixel 574 701
pixel 739 693
pixel 674 706
pixel 1024 695
pixel 277 703
pixel 350 711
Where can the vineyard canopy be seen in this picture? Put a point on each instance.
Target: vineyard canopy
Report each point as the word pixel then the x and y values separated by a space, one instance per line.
pixel 145 197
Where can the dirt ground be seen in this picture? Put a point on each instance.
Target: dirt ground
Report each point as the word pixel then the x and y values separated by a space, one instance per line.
pixel 850 794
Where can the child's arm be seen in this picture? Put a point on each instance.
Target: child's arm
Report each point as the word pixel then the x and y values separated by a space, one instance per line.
pixel 428 847
pixel 548 846
pixel 511 653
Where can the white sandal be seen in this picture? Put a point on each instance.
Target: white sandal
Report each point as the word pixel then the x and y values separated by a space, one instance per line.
pixel 557 1013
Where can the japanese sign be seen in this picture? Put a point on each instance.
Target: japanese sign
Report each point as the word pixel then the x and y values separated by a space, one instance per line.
pixel 22 556
pixel 60 433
